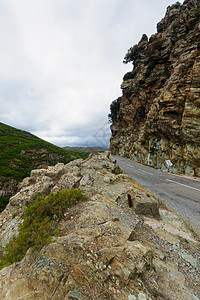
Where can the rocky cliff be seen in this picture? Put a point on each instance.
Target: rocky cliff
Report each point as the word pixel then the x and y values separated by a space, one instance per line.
pixel 157 119
pixel 120 244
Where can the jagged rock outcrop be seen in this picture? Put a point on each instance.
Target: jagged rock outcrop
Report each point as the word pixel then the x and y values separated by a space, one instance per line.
pixel 158 116
pixel 106 250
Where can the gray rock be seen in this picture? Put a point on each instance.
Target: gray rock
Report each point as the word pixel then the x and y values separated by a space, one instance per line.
pixel 146 205
pixel 142 296
pixel 131 297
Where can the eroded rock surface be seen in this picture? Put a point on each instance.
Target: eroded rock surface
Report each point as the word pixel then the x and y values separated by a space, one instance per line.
pixel 158 117
pixel 106 250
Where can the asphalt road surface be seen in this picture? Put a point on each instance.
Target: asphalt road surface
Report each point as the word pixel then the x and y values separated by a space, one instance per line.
pixel 179 192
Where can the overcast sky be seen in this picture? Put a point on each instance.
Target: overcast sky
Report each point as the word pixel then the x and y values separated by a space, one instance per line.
pixel 61 63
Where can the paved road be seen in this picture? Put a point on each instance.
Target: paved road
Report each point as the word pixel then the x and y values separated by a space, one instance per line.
pixel 179 193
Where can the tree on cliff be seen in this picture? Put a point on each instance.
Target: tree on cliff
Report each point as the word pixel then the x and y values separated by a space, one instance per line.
pixel 114 110
pixel 176 5
pixel 131 55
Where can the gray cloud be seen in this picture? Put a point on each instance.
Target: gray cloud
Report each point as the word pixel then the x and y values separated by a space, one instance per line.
pixel 61 63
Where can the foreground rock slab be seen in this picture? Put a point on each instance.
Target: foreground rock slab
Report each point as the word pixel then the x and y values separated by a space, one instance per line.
pixel 108 249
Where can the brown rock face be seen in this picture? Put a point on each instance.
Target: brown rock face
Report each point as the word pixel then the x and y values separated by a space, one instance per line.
pixel 158 120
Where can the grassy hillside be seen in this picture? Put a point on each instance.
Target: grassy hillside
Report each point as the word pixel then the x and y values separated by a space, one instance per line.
pixel 20 152
pixel 87 150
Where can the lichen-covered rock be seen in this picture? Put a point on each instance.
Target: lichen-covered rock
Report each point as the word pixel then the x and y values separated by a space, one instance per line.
pixel 146 205
pixel 158 122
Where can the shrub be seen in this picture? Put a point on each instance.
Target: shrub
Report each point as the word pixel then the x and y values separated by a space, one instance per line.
pixel 114 110
pixel 175 24
pixel 3 202
pixel 157 44
pixel 181 37
pixel 176 5
pixel 150 68
pixel 131 55
pixel 128 75
pixel 40 223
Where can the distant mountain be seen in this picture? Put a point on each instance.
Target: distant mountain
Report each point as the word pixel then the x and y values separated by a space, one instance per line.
pixel 85 149
pixel 20 152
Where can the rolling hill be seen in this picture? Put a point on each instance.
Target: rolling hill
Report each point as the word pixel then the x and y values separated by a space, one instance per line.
pixel 87 150
pixel 20 152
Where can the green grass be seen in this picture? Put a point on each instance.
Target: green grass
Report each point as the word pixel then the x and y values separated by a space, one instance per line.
pixel 40 223
pixel 86 150
pixel 20 152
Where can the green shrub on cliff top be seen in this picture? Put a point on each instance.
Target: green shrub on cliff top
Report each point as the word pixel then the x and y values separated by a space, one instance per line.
pixel 40 223
pixel 176 5
pixel 131 55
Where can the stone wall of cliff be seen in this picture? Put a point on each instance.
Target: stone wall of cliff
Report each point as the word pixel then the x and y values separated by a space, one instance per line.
pixel 158 120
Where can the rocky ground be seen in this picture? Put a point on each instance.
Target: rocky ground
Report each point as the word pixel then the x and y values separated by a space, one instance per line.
pixel 120 244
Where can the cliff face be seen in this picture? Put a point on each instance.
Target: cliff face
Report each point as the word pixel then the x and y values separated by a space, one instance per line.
pixel 158 116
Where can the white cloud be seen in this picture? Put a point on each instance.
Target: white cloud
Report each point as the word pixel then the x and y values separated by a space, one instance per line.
pixel 61 63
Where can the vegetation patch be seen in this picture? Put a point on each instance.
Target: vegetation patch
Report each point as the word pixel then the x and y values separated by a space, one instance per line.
pixel 86 150
pixel 176 5
pixel 40 223
pixel 158 43
pixel 155 45
pixel 128 75
pixel 114 110
pixel 131 55
pixel 175 24
pixel 197 13
pixel 150 68
pixel 3 202
pixel 181 37
pixel 21 152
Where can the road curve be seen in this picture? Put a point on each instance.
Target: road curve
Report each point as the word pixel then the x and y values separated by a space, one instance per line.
pixel 179 192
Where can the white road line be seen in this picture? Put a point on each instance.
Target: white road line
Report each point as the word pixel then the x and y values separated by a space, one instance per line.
pixel 146 172
pixel 129 165
pixel 141 170
pixel 183 185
